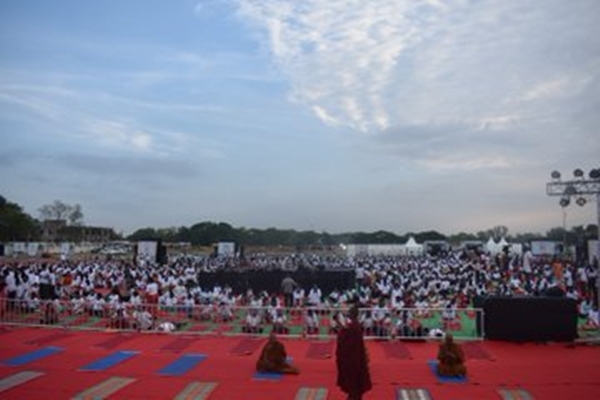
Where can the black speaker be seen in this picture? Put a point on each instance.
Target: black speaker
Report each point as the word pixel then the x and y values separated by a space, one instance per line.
pixel 161 254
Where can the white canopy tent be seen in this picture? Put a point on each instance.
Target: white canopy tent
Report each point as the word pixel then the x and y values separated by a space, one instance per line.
pixel 491 246
pixel 412 247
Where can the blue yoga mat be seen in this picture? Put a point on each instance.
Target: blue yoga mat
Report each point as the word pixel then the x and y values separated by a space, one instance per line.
pixel 271 376
pixel 445 379
pixel 183 364
pixel 109 361
pixel 33 356
pixel 267 376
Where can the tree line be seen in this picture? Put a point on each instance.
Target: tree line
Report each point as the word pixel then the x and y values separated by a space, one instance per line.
pixel 208 233
pixel 17 225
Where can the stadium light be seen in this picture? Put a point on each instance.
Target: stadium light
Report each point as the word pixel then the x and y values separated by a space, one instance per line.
pixel 582 189
pixel 565 201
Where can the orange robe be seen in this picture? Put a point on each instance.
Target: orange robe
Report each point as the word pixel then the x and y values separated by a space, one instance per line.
pixel 273 359
pixel 352 361
pixel 451 360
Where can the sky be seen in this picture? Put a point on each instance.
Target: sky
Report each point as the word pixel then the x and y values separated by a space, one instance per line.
pixel 322 115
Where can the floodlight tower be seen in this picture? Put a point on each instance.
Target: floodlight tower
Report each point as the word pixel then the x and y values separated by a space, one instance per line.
pixel 580 188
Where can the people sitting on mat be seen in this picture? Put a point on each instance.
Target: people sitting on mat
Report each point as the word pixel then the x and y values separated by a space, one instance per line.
pixel 225 313
pixel 299 297
pixel 142 319
pixel 271 310
pixel 280 322
pixel 449 313
pixel 206 311
pixel 119 318
pixel 253 322
pixel 451 358
pixel 408 326
pixel 381 319
pixel 311 322
pixel 50 315
pixel 366 320
pixel 338 322
pixel 403 327
pixel 273 358
pixel 436 333
pixel 592 319
pixel 98 305
pixel 584 307
pixel 169 326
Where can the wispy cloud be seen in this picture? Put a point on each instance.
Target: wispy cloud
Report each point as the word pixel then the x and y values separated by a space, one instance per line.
pixel 371 65
pixel 102 120
pixel 128 166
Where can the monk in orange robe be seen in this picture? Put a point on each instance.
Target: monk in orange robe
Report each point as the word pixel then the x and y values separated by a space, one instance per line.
pixel 353 376
pixel 273 358
pixel 451 358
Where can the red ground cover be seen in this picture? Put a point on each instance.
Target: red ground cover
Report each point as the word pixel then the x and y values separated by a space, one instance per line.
pixel 548 372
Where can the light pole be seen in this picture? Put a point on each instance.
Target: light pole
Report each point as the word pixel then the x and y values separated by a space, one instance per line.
pixel 580 188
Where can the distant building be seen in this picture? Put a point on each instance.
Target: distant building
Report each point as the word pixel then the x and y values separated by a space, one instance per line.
pixel 59 231
pixel 51 229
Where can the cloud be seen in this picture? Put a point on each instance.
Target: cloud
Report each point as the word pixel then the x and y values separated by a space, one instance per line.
pixel 373 65
pixel 450 147
pixel 100 120
pixel 128 166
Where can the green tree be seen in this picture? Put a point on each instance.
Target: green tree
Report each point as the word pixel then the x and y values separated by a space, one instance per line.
pixel 143 234
pixel 16 224
pixel 60 211
pixel 499 232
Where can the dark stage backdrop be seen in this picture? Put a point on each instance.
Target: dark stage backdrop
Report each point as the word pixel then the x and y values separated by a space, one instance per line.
pixel 271 280
pixel 526 319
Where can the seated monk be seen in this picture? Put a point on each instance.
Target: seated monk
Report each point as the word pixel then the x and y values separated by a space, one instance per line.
pixel 273 358
pixel 451 358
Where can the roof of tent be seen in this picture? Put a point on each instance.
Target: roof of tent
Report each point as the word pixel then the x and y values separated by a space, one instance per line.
pixel 412 243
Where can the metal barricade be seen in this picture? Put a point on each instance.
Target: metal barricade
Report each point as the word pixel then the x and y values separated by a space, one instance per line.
pixel 223 319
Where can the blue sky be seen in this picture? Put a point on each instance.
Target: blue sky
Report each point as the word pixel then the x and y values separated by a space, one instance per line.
pixel 323 115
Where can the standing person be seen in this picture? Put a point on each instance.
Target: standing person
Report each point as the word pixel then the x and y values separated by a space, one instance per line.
pixel 592 275
pixel 288 284
pixel 351 358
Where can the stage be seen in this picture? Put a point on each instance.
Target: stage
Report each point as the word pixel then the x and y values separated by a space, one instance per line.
pixel 39 363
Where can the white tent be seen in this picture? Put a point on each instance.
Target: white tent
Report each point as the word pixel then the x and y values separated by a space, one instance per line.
pixel 491 246
pixel 412 247
pixel 503 243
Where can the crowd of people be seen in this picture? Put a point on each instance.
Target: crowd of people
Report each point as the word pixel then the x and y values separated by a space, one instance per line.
pixel 392 290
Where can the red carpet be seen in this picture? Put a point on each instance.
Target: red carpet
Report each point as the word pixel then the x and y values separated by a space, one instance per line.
pixel 51 338
pixel 115 340
pixel 546 372
pixel 248 345
pixel 179 344
pixel 474 351
pixel 320 350
pixel 395 349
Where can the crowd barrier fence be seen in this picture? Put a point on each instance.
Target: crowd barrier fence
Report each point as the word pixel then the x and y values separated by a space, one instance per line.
pixel 306 321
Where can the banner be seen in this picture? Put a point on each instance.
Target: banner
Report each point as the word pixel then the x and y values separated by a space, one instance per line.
pixel 226 249
pixel 147 251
